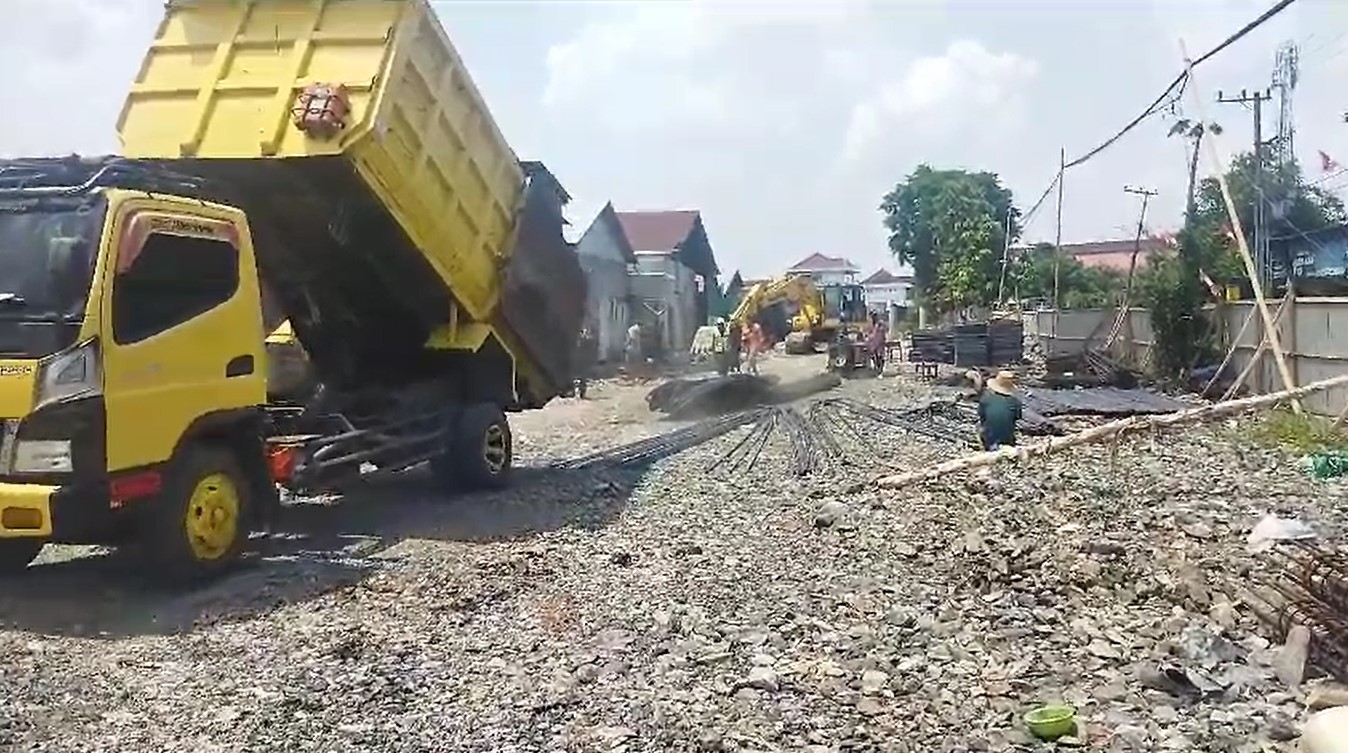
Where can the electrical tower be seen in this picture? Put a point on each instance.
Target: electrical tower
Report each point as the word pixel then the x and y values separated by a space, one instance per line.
pixel 1285 75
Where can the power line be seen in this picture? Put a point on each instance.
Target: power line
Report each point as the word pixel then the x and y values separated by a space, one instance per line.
pixel 1176 87
pixel 1025 218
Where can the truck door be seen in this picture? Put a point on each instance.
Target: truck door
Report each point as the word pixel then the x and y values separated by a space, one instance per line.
pixel 183 320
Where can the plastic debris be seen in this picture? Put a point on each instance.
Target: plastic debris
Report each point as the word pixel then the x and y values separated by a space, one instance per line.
pixel 1273 529
pixel 1326 465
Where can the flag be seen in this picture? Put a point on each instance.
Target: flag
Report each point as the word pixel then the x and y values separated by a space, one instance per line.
pixel 1328 164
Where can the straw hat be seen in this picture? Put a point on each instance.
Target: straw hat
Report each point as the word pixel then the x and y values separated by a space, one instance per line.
pixel 1004 383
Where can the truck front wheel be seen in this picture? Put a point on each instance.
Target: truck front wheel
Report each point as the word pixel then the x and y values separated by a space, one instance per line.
pixel 203 516
pixel 479 450
pixel 17 554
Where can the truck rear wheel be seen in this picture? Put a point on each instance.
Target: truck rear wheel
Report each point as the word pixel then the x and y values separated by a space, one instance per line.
pixel 203 517
pixel 479 450
pixel 17 554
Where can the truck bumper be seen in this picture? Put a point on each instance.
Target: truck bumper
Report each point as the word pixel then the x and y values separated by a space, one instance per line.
pixel 25 510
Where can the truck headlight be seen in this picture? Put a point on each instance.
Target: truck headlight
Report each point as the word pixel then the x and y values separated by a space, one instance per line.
pixel 69 374
pixel 42 456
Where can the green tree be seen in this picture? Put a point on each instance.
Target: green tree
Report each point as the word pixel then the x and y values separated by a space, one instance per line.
pixel 950 227
pixel 1079 286
pixel 1295 207
pixel 1172 286
pixel 1194 131
pixel 1172 290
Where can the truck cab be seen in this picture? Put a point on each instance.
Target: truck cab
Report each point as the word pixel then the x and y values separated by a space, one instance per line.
pixel 132 370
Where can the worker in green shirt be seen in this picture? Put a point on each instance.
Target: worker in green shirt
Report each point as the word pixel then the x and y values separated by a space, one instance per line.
pixel 998 411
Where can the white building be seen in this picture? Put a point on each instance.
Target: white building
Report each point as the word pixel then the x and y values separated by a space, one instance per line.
pixel 885 289
pixel 827 270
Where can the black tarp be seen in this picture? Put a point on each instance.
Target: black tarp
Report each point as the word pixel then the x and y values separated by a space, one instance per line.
pixel 1100 401
pixel 543 300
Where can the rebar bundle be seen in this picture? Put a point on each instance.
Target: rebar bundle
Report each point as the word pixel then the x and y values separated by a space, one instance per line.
pixel 807 453
pixel 661 446
pixel 1307 585
pixel 941 421
pixel 815 437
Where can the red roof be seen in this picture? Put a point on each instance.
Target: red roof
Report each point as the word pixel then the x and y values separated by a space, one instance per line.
pixel 657 231
pixel 819 261
pixel 1091 248
pixel 884 277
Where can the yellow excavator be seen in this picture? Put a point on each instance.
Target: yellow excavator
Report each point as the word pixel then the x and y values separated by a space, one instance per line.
pixel 794 309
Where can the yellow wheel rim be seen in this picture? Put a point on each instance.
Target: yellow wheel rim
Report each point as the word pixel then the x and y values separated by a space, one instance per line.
pixel 213 517
pixel 494 448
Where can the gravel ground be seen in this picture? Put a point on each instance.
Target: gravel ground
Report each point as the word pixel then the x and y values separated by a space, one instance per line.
pixel 682 611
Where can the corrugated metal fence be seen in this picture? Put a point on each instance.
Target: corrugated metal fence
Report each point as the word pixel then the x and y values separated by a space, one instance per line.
pixel 1314 332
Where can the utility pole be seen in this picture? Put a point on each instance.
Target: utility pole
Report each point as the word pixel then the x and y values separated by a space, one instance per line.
pixel 1006 257
pixel 1146 194
pixel 1260 232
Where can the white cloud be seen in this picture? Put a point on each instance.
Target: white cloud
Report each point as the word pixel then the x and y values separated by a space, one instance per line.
pixel 967 81
pixel 68 64
pixel 685 62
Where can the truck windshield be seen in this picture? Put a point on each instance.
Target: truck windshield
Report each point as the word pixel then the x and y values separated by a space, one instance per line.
pixel 47 252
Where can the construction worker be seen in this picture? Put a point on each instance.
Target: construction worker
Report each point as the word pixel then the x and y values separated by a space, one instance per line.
pixel 721 347
pixel 632 347
pixel 753 344
pixel 875 343
pixel 734 346
pixel 587 356
pixel 998 411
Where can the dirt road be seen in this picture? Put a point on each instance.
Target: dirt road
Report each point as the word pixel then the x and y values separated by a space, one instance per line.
pixel 676 610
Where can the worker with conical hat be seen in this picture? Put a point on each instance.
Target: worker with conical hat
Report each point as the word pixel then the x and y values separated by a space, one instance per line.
pixel 999 409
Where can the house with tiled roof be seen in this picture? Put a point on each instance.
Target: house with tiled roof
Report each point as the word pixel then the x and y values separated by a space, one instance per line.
pixel 671 278
pixel 826 270
pixel 1116 255
pixel 884 289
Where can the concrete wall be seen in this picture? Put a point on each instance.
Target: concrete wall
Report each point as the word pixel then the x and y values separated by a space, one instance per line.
pixel 607 304
pixel 609 291
pixel 1314 332
pixel 1067 332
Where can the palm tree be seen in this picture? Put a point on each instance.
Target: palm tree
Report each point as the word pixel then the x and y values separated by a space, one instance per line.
pixel 1194 131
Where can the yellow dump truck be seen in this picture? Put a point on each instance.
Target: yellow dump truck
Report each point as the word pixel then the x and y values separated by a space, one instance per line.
pixel 338 153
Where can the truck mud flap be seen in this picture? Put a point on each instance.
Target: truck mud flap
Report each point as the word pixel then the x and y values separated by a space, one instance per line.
pixel 543 300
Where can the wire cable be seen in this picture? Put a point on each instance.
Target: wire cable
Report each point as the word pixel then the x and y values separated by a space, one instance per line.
pixel 1171 93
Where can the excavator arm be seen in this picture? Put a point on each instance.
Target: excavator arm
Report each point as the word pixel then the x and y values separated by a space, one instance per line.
pixel 801 310
pixel 796 290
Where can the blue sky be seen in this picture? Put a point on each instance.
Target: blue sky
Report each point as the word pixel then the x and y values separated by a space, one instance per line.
pixel 784 122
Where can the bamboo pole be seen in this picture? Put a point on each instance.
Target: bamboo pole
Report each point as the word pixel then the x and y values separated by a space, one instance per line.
pixel 1108 431
pixel 1343 414
pixel 1219 167
pixel 1257 357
